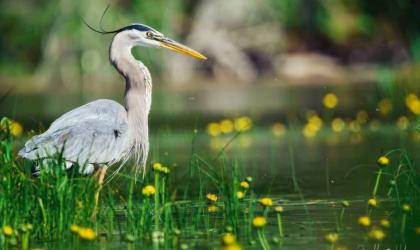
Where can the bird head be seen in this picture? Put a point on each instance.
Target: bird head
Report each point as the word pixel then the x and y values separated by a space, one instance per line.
pixel 145 36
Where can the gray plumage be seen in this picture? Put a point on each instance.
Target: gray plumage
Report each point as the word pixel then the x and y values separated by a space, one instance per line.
pixel 103 132
pixel 95 133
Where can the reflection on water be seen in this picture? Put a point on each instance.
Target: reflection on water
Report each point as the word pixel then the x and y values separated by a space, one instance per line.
pixel 324 168
pixel 305 226
pixel 308 176
pixel 326 174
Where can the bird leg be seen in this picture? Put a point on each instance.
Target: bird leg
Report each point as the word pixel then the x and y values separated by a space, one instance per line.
pixel 100 174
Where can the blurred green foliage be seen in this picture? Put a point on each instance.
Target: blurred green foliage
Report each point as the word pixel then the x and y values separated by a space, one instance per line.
pixel 325 25
pixel 23 27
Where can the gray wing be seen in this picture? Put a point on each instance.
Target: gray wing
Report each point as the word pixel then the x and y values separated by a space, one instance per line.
pixel 96 132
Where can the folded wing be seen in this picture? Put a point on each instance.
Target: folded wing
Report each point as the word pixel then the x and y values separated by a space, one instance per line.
pixel 95 133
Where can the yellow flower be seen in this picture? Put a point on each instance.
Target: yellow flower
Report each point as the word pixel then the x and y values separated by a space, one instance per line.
pixel 14 127
pixel 278 129
pixel 310 130
pixel 413 103
pixel 226 126
pixel 266 202
pixel 165 170
pixel 338 124
pixel 228 239
pixel 406 207
pixel 148 190
pixel 364 221
pixel 213 129
pixel 7 230
pixel 372 202
pixel 331 237
pixel 240 195
pixel 243 123
pixel 232 247
pixel 278 209
pixel 259 221
pixel 87 234
pixel 244 184
pixel 362 116
pixel 211 197
pixel 376 234
pixel 330 101
pixel 212 209
pixel 385 223
pixel 74 228
pixel 385 106
pixel 383 161
pixel 417 230
pixel 403 123
pixel 315 121
pixel 157 166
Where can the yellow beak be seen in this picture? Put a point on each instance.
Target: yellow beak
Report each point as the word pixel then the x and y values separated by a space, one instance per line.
pixel 182 49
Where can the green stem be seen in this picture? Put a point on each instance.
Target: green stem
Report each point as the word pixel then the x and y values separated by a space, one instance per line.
pixel 25 241
pixel 44 215
pixel 144 206
pixel 280 225
pixel 369 211
pixel 378 178
pixel 265 212
pixel 403 223
pixel 163 189
pixel 168 217
pixel 156 201
pixel 262 239
pixel 389 192
pixel 343 210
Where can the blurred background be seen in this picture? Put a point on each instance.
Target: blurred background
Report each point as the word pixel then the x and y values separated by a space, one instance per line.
pixel 302 95
pixel 293 91
pixel 268 59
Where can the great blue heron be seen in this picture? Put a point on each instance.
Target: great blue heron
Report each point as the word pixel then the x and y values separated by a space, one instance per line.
pixel 103 132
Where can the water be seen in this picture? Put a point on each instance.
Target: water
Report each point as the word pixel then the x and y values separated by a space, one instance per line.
pixel 326 172
pixel 308 177
pixel 305 226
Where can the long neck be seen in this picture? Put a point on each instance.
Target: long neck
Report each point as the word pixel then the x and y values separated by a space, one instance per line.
pixel 138 95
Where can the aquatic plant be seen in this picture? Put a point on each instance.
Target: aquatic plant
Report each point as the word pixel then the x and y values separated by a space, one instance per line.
pixel 344 205
pixel 364 221
pixel 279 210
pixel 59 202
pixel 259 223
pixel 382 161
pixel 331 238
pixel 330 100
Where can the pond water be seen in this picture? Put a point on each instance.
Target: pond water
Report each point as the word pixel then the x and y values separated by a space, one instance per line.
pixel 309 177
pixel 305 226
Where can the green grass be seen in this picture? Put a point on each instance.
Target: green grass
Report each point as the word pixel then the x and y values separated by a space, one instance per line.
pixel 175 215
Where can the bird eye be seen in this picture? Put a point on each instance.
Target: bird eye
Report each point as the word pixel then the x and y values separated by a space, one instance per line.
pixel 149 34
